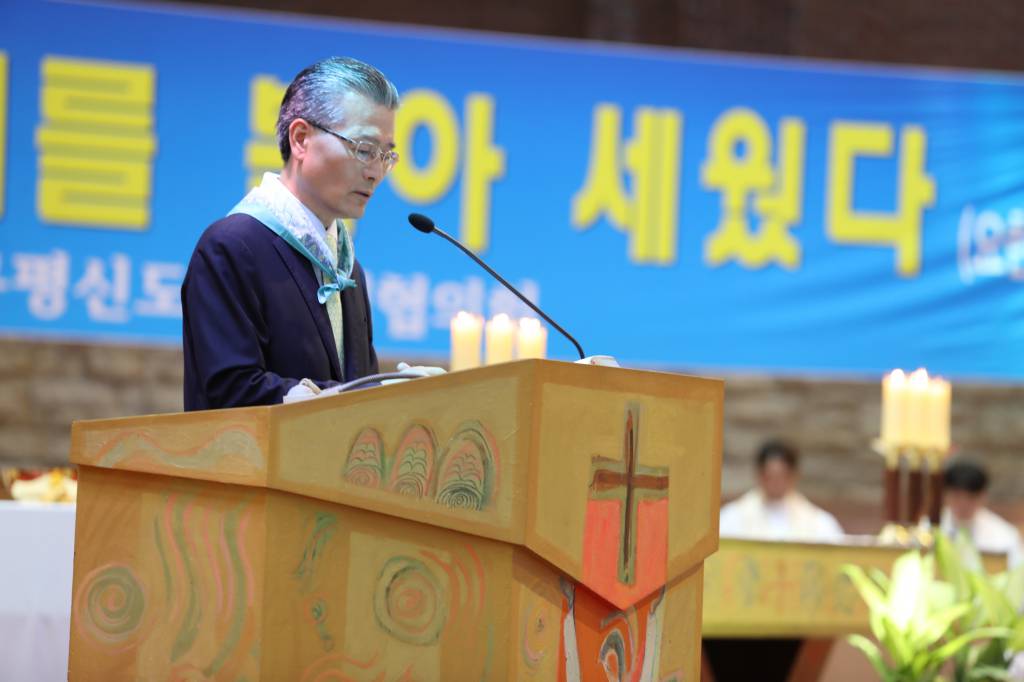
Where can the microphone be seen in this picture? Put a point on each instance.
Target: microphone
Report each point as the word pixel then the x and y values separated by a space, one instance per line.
pixel 426 226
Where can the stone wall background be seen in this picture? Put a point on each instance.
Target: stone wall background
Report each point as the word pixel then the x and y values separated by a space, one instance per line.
pixel 46 385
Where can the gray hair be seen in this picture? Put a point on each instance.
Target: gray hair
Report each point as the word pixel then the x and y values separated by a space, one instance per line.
pixel 316 93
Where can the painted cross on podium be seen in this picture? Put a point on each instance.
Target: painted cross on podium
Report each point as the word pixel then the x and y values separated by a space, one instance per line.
pixel 629 483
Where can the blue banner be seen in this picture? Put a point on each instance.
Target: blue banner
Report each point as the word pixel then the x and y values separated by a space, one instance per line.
pixel 671 208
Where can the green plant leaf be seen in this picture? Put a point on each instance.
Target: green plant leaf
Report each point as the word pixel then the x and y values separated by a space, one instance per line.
pixel 908 585
pixel 938 625
pixel 896 643
pixel 871 650
pixel 1015 643
pixel 996 608
pixel 950 648
pixel 951 566
pixel 970 557
pixel 987 673
pixel 1014 588
pixel 880 578
pixel 870 592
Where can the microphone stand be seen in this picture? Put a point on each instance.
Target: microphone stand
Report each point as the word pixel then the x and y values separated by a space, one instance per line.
pixel 495 275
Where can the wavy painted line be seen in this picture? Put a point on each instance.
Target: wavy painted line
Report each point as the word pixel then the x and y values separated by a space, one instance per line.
pixel 226 556
pixel 489 653
pixel 449 570
pixel 163 562
pixel 234 634
pixel 312 673
pixel 229 441
pixel 467 580
pixel 193 612
pixel 480 577
pixel 323 529
pixel 178 576
pixel 211 556
pixel 249 582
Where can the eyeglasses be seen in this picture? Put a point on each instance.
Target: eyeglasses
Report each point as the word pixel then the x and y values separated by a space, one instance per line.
pixel 365 152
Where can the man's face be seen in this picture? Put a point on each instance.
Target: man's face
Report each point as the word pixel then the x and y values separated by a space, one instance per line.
pixel 964 504
pixel 776 479
pixel 333 182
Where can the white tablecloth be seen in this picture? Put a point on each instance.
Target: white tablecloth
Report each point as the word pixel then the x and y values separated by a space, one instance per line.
pixel 37 548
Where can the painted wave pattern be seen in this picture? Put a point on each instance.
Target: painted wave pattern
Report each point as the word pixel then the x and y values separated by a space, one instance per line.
pixel 324 525
pixel 234 447
pixel 199 587
pixel 419 595
pixel 463 476
pixel 207 579
pixel 200 582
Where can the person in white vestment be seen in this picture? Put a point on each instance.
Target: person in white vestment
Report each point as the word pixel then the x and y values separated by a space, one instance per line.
pixel 965 496
pixel 775 510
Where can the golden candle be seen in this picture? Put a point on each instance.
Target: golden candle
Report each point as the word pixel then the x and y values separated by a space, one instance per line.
pixel 939 404
pixel 467 333
pixel 499 339
pixel 894 408
pixel 917 411
pixel 533 339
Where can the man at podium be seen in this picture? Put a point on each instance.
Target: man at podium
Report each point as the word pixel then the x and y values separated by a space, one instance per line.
pixel 274 301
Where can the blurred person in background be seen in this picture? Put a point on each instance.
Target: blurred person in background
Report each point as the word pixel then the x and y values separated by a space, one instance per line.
pixel 965 495
pixel 775 510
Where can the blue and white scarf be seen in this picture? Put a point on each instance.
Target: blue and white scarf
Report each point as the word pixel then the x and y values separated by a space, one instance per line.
pixel 272 204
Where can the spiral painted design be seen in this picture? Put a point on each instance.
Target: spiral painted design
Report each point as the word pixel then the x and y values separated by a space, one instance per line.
pixel 365 464
pixel 462 495
pixel 414 462
pixel 110 604
pixel 540 632
pixel 411 476
pixel 467 471
pixel 409 601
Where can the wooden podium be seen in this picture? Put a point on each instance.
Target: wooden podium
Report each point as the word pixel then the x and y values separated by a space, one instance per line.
pixel 533 520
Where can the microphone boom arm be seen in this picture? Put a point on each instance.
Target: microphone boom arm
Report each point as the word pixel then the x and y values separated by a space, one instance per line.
pixel 495 275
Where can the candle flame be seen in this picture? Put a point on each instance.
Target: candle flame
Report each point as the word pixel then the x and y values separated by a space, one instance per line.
pixel 919 378
pixel 501 320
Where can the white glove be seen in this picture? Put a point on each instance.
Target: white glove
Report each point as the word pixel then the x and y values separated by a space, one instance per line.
pixel 304 390
pixel 418 370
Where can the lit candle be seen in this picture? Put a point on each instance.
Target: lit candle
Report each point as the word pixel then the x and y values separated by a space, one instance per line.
pixel 894 408
pixel 499 339
pixel 467 332
pixel 917 417
pixel 939 403
pixel 533 339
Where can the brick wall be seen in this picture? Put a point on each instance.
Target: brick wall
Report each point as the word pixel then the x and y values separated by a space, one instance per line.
pixel 46 385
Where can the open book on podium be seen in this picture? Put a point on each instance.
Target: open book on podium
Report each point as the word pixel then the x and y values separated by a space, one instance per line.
pixel 532 520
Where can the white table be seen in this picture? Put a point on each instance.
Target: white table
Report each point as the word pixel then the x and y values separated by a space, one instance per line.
pixel 37 548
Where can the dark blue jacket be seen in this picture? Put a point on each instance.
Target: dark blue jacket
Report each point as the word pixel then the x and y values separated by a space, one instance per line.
pixel 253 327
